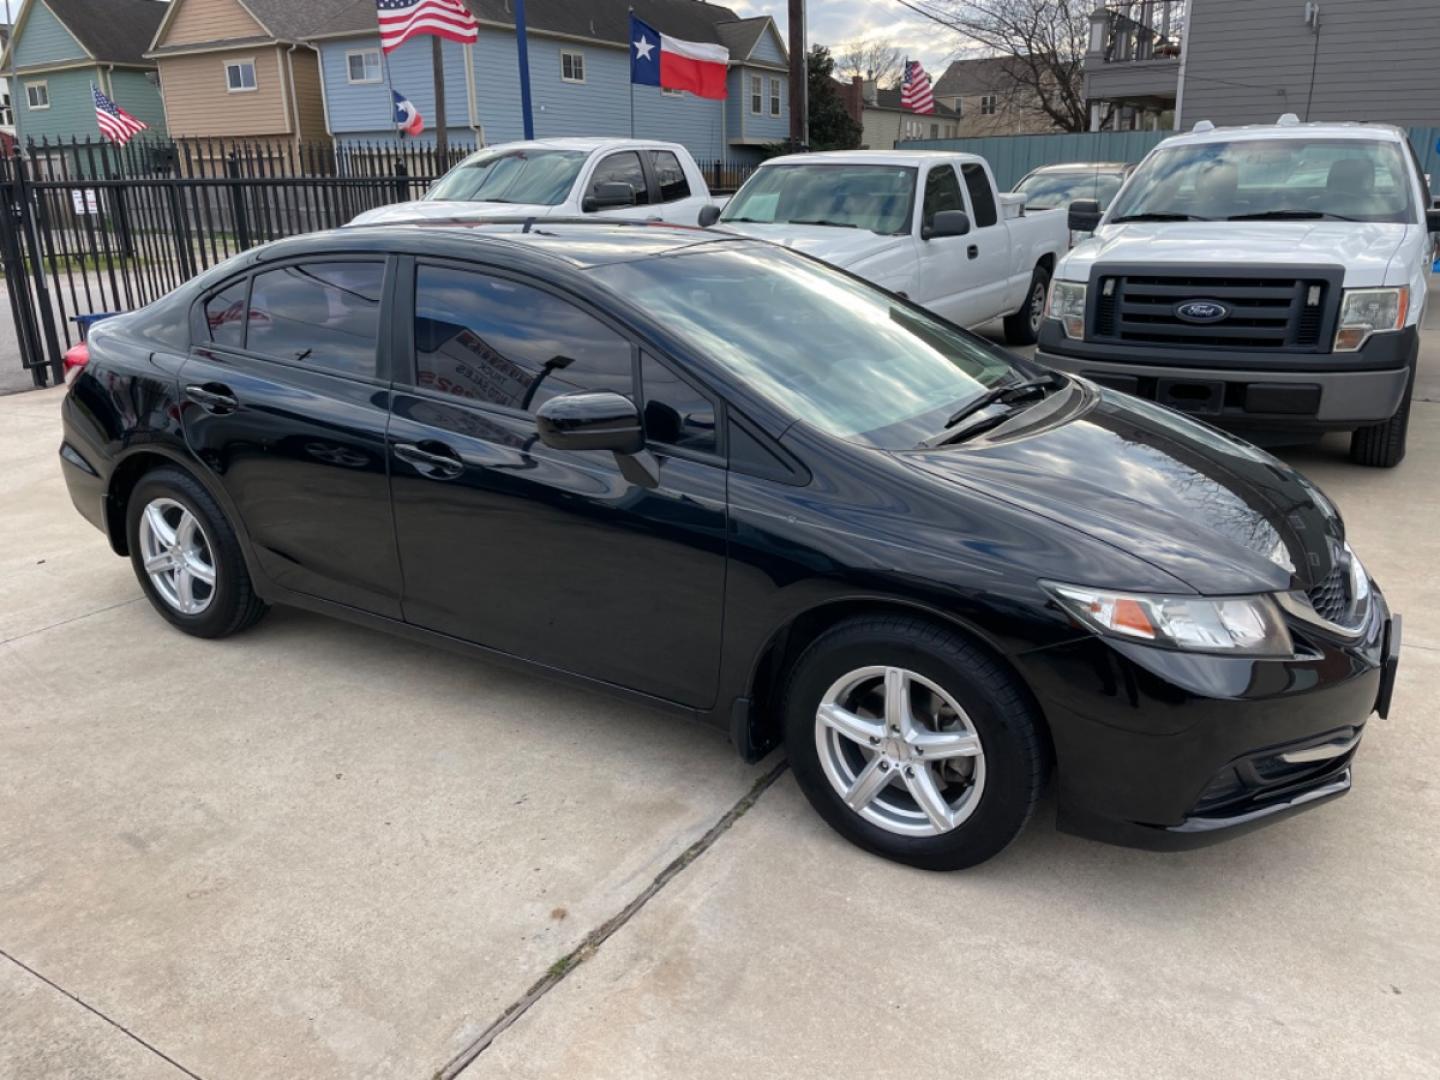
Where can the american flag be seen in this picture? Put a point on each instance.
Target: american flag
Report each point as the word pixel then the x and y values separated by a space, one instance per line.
pixel 915 91
pixel 400 20
pixel 116 124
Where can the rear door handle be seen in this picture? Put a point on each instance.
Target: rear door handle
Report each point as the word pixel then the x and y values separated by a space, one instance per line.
pixel 973 251
pixel 213 397
pixel 438 463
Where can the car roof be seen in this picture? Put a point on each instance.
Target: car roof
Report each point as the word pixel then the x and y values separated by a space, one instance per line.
pixel 576 242
pixel 1079 166
pixel 586 143
pixel 1291 130
pixel 871 157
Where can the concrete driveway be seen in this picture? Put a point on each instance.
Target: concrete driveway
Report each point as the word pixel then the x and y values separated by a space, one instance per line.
pixel 319 851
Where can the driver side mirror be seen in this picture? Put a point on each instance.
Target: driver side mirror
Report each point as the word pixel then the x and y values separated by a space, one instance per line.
pixel 1085 215
pixel 608 194
pixel 946 223
pixel 709 214
pixel 591 420
pixel 1432 220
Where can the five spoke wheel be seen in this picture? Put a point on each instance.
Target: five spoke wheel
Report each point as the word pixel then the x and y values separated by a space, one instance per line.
pixel 900 751
pixel 177 556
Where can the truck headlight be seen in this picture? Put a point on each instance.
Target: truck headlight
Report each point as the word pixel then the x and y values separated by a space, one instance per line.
pixel 1235 625
pixel 1369 311
pixel 1067 303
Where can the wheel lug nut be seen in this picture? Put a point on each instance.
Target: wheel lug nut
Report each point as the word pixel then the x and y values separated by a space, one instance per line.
pixel 909 771
pixel 884 766
pixel 874 740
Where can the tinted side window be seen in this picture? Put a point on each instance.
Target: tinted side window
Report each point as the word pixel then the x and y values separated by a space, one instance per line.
pixel 942 192
pixel 499 341
pixel 225 315
pixel 324 315
pixel 675 412
pixel 622 168
pixel 670 176
pixel 981 197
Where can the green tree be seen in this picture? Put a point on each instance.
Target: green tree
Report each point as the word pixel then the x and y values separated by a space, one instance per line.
pixel 831 127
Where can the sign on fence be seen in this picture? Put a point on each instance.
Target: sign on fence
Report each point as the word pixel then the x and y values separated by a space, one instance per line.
pixel 86 201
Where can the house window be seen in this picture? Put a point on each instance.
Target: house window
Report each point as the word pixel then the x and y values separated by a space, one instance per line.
pixel 774 97
pixel 37 95
pixel 671 93
pixel 934 131
pixel 756 94
pixel 239 75
pixel 363 66
pixel 987 105
pixel 572 67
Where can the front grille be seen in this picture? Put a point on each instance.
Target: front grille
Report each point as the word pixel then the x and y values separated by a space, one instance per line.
pixel 1331 597
pixel 1270 312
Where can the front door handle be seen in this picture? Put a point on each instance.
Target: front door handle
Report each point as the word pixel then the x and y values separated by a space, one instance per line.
pixel 438 462
pixel 213 397
pixel 973 251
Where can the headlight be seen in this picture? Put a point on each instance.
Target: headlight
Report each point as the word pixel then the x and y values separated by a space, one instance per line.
pixel 1236 625
pixel 1368 311
pixel 1067 303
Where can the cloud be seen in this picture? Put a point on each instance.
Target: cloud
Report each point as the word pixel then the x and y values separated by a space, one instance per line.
pixel 835 22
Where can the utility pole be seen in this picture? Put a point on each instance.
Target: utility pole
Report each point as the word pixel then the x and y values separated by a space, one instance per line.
pixel 442 145
pixel 799 78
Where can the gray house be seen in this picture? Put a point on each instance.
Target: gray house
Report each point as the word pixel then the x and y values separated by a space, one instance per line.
pixel 1168 63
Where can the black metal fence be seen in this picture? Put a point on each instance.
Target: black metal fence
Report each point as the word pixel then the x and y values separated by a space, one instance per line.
pixel 89 228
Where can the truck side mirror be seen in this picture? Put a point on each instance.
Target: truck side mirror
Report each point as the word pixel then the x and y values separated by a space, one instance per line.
pixel 1085 215
pixel 946 223
pixel 1432 220
pixel 709 214
pixel 609 194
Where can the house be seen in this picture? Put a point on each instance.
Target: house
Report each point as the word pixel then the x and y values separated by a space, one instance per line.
pixel 579 61
pixel 1164 63
pixel 60 48
pixel 241 69
pixel 7 116
pixel 993 95
pixel 884 123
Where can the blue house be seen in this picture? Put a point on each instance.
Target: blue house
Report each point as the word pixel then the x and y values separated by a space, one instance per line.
pixel 579 55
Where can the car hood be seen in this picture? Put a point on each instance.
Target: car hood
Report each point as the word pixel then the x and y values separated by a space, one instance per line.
pixel 430 209
pixel 837 246
pixel 1210 510
pixel 1362 249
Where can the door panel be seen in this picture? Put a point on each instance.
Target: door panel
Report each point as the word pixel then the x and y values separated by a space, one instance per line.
pixel 949 280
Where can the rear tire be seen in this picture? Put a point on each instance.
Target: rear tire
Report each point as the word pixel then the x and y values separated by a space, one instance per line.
pixel 1382 446
pixel 1023 327
pixel 981 760
pixel 187 557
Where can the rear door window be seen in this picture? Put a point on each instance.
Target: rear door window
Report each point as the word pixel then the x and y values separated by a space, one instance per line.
pixel 225 315
pixel 670 175
pixel 323 314
pixel 982 198
pixel 622 168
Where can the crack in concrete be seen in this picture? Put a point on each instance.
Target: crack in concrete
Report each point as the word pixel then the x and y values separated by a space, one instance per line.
pixel 113 1023
pixel 597 937
pixel 67 622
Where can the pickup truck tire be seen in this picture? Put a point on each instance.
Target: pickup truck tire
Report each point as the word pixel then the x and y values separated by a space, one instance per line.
pixel 1382 446
pixel 1023 327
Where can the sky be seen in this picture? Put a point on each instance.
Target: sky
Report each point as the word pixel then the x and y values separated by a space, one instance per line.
pixel 833 22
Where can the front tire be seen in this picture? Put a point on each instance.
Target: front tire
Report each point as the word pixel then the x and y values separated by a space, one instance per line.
pixel 1382 446
pixel 913 743
pixel 1023 327
pixel 187 557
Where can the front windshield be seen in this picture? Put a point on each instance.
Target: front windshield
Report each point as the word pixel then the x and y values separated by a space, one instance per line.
pixel 874 197
pixel 824 348
pixel 1348 179
pixel 535 177
pixel 1046 191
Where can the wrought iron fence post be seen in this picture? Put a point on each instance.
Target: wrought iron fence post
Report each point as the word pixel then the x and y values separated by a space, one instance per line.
pixel 237 201
pixel 12 257
pixel 402 180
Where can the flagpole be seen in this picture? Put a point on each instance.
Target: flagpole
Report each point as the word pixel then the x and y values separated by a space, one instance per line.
pixel 522 50
pixel 390 101
pixel 630 48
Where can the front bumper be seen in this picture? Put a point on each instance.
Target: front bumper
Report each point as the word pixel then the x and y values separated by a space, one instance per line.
pixel 1247 389
pixel 1166 750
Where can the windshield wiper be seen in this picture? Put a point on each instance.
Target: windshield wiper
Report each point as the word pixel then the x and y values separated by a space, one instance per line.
pixel 978 410
pixel 824 221
pixel 751 220
pixel 1290 215
pixel 1156 215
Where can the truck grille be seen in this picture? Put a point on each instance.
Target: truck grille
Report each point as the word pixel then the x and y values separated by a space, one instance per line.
pixel 1270 312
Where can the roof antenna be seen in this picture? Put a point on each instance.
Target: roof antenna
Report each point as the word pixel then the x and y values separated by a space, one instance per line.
pixel 529 221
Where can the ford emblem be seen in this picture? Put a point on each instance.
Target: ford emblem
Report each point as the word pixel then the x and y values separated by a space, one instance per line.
pixel 1201 311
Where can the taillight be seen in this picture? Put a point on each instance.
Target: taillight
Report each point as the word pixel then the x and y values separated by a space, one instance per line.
pixel 76 357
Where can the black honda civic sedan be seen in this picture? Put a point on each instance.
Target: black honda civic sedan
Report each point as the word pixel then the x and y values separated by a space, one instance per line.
pixel 726 479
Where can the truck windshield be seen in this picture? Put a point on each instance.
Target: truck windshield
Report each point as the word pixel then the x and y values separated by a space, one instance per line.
pixel 1048 190
pixel 535 177
pixel 823 347
pixel 874 197
pixel 1291 178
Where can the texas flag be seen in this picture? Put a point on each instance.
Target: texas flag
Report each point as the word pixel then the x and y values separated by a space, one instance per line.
pixel 661 60
pixel 407 117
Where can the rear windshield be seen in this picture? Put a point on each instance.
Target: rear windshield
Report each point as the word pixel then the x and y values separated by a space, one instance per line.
pixel 534 177
pixel 874 197
pixel 1349 179
pixel 1046 191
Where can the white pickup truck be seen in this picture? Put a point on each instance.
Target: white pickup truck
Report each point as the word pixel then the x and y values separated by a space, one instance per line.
pixel 1269 279
pixel 626 178
pixel 927 225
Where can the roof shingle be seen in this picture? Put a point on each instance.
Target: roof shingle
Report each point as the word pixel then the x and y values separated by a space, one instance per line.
pixel 113 31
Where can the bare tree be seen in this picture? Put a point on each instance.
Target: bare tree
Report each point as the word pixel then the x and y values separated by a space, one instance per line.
pixel 874 59
pixel 1044 40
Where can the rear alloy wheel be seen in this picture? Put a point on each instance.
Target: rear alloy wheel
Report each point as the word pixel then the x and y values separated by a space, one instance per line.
pixel 1023 327
pixel 912 742
pixel 177 556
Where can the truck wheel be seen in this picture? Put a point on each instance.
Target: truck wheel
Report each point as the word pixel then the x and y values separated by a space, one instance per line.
pixel 1382 446
pixel 1023 327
